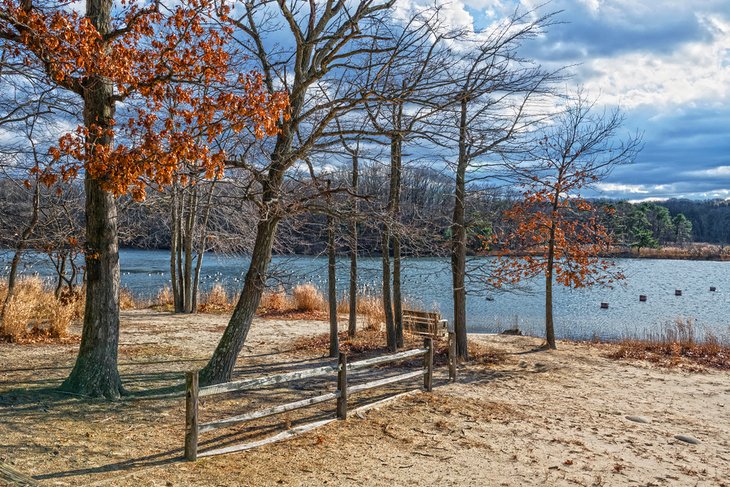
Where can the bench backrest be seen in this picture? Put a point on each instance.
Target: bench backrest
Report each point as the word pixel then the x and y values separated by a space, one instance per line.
pixel 423 322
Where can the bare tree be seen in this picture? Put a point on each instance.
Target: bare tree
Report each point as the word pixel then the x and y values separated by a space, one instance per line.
pixel 318 66
pixel 491 111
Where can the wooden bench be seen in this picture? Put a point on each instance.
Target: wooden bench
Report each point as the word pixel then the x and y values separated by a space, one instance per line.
pixel 424 323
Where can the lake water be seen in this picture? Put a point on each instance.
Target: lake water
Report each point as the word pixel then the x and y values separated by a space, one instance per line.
pixel 427 282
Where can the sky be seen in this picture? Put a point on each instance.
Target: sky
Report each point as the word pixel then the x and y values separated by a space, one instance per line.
pixel 665 63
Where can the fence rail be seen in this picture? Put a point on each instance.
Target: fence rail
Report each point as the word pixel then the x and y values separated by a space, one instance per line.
pixel 193 392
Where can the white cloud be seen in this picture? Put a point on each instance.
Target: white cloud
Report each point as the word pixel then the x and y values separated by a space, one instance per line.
pixel 693 72
pixel 720 171
pixel 651 199
pixel 622 188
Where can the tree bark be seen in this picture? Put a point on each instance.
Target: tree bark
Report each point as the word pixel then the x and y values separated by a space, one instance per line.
pixel 220 367
pixel 190 225
pixel 202 247
pixel 549 327
pixel 95 372
pixel 458 241
pixel 387 296
pixel 174 246
pixel 352 318
pixel 395 185
pixel 332 286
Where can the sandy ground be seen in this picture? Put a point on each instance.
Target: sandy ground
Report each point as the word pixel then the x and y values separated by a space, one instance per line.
pixel 535 418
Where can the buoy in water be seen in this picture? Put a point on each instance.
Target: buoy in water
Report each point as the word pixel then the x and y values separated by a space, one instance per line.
pixel 677 292
pixel 604 305
pixel 642 298
pixel 713 289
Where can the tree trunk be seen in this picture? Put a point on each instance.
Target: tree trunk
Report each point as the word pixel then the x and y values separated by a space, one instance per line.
pixel 387 297
pixel 352 318
pixel 220 367
pixel 190 225
pixel 95 372
pixel 332 286
pixel 397 298
pixel 61 272
pixel 549 328
pixel 174 246
pixel 458 241
pixel 395 184
pixel 201 247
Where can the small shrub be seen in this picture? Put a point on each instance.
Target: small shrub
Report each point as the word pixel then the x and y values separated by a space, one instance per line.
pixel 308 298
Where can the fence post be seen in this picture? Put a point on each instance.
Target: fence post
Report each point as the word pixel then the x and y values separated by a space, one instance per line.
pixel 428 364
pixel 191 415
pixel 452 356
pixel 342 387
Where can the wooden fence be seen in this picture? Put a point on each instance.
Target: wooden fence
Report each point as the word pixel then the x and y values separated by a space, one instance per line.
pixel 192 393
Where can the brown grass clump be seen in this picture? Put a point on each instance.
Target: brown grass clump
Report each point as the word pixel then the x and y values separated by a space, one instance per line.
pixel 34 313
pixel 216 300
pixel 369 307
pixel 676 346
pixel 164 299
pixel 275 301
pixel 127 300
pixel 307 297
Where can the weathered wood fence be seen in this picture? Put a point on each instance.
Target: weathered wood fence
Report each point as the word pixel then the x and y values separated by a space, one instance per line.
pixel 193 392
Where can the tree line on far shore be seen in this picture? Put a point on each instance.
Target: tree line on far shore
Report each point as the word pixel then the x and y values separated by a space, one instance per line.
pixel 425 217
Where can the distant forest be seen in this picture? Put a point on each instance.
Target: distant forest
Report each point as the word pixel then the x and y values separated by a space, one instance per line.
pixel 424 224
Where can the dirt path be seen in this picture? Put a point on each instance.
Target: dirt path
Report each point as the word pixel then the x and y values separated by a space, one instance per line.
pixel 545 418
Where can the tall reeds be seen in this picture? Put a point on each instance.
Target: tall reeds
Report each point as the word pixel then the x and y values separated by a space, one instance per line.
pixel 34 310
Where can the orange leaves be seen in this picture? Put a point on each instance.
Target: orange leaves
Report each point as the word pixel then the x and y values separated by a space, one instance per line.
pixel 176 62
pixel 559 237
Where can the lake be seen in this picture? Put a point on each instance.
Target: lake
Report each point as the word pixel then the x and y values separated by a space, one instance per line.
pixel 427 282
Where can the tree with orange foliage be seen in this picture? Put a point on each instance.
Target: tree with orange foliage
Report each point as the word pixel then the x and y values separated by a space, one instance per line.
pixel 556 232
pixel 130 51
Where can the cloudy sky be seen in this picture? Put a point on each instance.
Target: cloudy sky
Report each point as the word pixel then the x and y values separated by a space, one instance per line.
pixel 665 62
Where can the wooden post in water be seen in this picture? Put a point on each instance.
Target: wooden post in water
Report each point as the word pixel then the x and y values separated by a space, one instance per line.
pixel 342 387
pixel 452 356
pixel 191 415
pixel 428 364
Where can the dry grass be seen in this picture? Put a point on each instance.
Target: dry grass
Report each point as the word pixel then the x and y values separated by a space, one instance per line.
pixel 693 251
pixel 164 300
pixel 216 301
pixel 275 301
pixel 307 298
pixel 127 300
pixel 677 345
pixel 35 314
pixel 369 307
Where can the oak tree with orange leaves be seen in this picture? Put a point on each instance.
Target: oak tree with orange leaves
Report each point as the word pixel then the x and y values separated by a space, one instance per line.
pixel 555 232
pixel 146 54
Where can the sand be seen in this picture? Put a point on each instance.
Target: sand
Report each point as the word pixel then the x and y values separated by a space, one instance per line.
pixel 533 418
